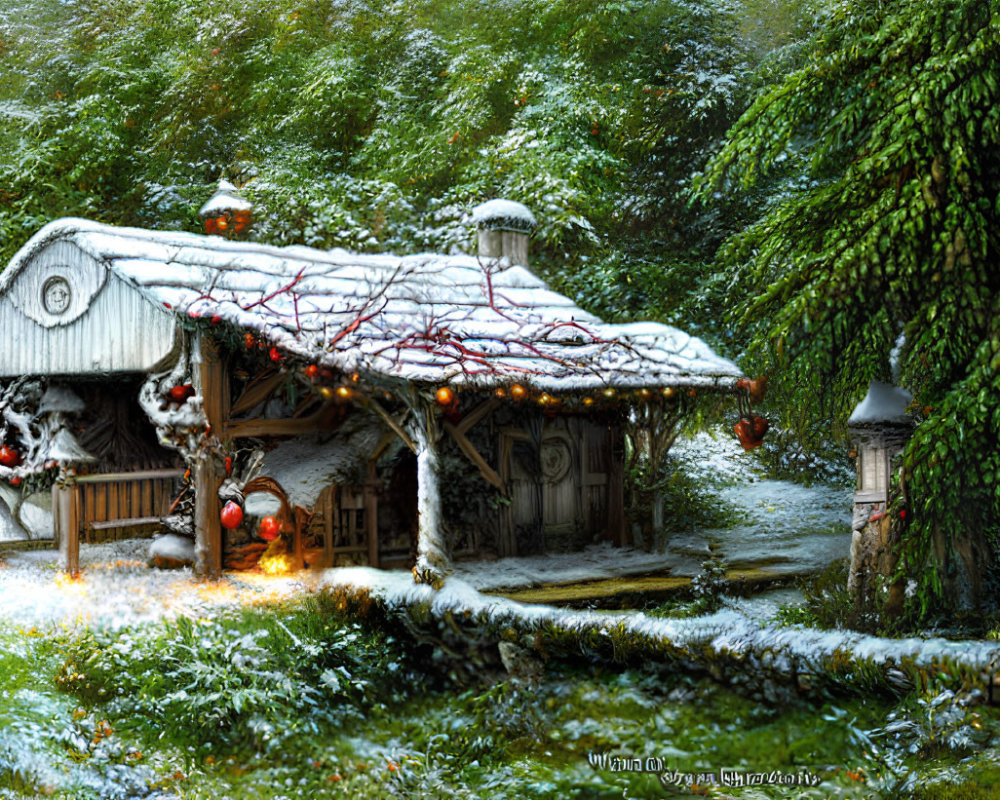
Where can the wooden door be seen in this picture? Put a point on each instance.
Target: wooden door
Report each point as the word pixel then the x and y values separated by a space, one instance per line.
pixel 561 490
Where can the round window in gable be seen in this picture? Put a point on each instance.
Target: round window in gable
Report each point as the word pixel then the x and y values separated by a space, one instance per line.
pixel 56 295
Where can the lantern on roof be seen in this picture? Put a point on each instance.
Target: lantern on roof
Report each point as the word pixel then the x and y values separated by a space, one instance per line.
pixel 879 427
pixel 227 213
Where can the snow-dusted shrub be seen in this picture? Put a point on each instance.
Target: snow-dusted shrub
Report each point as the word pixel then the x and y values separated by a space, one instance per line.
pixel 254 678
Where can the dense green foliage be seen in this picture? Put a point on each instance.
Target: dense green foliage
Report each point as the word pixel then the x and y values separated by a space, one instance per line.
pixel 253 679
pixel 417 734
pixel 378 126
pixel 881 156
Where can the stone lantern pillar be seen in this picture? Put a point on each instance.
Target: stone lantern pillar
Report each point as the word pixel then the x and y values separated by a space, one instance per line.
pixel 879 427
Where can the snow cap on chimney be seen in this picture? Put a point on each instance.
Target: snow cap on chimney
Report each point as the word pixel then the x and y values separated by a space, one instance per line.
pixel 504 227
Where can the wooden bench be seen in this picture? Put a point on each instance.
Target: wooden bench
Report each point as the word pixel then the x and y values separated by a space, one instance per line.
pixel 117 500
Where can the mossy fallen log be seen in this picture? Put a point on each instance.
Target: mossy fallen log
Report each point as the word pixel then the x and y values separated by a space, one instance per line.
pixel 766 662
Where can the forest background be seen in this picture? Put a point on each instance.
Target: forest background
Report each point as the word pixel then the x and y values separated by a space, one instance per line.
pixel 799 182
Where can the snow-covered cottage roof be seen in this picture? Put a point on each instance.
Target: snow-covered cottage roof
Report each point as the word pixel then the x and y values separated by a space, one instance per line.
pixel 427 318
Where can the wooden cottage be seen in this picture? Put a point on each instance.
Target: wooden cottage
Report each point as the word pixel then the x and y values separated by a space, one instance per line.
pixel 394 411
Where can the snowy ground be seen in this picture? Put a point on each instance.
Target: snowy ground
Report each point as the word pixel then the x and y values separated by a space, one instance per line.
pixel 785 528
pixel 117 588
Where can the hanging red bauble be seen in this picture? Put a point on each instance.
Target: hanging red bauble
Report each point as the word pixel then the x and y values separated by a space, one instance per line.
pixel 269 529
pixel 744 432
pixel 759 426
pixel 9 457
pixel 231 515
pixel 311 371
pixel 180 394
pixel 757 388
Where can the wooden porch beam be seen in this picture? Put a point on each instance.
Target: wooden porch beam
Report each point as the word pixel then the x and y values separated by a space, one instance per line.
pixel 257 391
pixel 392 422
pixel 280 427
pixel 470 452
pixel 477 415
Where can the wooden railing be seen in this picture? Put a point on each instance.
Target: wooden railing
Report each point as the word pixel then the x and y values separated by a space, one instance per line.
pixel 90 503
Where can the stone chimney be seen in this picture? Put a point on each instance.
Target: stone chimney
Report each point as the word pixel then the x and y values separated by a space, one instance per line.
pixel 504 227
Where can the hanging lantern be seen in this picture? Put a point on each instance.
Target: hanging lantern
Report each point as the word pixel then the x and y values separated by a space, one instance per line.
pixel 231 516
pixel 750 431
pixel 311 371
pixel 609 393
pixel 757 389
pixel 500 392
pixel 227 213
pixel 518 392
pixel 445 396
pixel 344 392
pixel 668 391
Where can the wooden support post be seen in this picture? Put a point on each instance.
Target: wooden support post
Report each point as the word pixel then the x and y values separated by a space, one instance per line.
pixel 207 477
pixel 66 520
pixel 371 516
pixel 433 563
pixel 618 530
pixel 213 380
pixel 331 513
pixel 207 470
pixel 301 520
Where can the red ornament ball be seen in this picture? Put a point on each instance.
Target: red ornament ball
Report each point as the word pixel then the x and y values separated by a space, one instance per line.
pixel 9 457
pixel 180 394
pixel 902 513
pixel 231 515
pixel 269 529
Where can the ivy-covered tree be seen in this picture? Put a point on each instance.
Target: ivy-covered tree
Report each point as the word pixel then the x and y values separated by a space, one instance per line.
pixel 882 156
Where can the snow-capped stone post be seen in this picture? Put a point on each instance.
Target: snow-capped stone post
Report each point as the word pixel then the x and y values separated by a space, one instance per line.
pixel 504 227
pixel 433 562
pixel 880 427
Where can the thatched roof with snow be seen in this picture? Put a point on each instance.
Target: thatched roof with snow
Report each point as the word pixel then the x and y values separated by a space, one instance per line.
pixel 424 318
